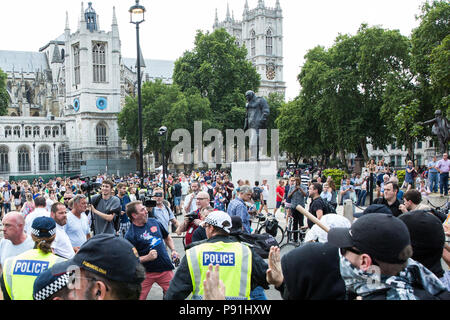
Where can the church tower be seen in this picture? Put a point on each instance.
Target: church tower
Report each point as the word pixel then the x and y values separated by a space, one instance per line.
pixel 93 96
pixel 261 31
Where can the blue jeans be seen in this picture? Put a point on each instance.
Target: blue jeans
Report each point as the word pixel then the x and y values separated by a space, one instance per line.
pixel 258 294
pixel 433 178
pixel 443 183
pixel 362 198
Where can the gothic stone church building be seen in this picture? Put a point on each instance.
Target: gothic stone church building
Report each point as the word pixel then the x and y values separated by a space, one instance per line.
pixel 64 103
pixel 65 98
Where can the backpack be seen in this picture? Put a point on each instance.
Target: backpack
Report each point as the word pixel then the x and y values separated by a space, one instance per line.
pixel 328 207
pixel 272 227
pixel 260 243
pixel 211 194
pixel 256 195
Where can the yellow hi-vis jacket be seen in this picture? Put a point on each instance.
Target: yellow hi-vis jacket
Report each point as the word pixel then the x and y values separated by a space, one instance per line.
pixel 235 261
pixel 20 272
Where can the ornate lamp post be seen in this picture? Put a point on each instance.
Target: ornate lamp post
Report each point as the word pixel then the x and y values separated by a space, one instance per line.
pixel 137 16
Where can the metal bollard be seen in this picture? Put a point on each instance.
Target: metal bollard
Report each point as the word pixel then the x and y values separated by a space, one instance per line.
pixel 349 210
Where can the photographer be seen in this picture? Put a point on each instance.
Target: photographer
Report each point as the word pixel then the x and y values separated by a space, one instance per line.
pixel 161 212
pixel 193 219
pixel 105 209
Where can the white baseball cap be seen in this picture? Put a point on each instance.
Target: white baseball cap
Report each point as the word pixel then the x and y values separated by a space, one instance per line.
pixel 219 219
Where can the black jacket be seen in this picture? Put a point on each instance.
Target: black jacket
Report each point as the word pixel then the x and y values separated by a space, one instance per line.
pixel 181 285
pixel 311 272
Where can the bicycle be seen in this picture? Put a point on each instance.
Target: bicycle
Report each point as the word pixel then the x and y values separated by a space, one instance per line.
pixel 289 233
pixel 262 222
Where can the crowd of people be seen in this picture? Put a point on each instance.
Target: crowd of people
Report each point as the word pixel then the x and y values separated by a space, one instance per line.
pixel 112 237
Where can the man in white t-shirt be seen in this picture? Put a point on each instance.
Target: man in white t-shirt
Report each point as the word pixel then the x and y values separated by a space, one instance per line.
pixel 62 245
pixel 190 201
pixel 40 211
pixel 15 240
pixel 77 226
pixel 265 195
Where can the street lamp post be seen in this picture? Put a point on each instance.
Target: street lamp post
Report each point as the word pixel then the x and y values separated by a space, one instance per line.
pixel 162 132
pixel 137 16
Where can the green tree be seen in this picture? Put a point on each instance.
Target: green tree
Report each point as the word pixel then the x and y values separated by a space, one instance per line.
pixel 4 98
pixel 344 87
pixel 219 70
pixel 163 105
pixel 429 49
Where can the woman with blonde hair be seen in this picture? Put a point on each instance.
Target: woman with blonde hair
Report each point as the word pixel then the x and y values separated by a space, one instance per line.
pixel 28 206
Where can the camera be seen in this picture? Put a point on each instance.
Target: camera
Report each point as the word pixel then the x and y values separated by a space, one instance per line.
pixel 149 202
pixel 89 186
pixel 192 216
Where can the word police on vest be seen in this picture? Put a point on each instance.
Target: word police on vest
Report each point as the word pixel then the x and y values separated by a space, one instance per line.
pixel 30 267
pixel 219 258
pixel 219 219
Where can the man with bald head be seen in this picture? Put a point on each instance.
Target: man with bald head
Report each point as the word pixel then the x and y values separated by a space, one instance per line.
pixel 192 219
pixel 15 241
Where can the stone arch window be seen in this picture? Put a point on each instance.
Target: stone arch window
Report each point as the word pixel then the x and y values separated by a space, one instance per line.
pixel 4 163
pixel 24 159
pixel 253 42
pixel 269 42
pixel 44 159
pixel 28 131
pixel 8 132
pixel 101 132
pixel 13 114
pixel 63 157
pixel 47 132
pixel 16 131
pixel 36 131
pixel 55 132
pixel 99 62
pixel 63 130
pixel 76 63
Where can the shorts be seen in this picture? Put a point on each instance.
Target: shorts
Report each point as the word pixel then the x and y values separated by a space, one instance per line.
pixel 265 202
pixel 177 201
pixel 278 204
pixel 257 205
pixel 183 197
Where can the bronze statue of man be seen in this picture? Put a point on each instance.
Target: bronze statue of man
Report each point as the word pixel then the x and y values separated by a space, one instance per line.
pixel 441 129
pixel 258 112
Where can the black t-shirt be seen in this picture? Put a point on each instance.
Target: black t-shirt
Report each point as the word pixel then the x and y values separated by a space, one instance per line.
pixel 177 190
pixel 394 207
pixel 316 204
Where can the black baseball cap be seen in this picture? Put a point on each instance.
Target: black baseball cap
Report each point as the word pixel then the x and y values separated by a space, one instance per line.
pixel 377 208
pixel 107 255
pixel 427 239
pixel 379 235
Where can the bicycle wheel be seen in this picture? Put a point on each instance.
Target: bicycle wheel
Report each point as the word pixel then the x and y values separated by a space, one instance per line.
pixel 280 233
pixel 287 247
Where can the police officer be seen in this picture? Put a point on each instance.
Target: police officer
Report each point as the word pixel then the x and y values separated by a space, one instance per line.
pixel 20 272
pixel 240 269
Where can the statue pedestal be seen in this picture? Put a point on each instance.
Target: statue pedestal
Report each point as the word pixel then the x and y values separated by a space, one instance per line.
pixel 257 171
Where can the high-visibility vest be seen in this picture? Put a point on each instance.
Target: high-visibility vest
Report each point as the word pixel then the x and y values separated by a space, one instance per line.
pixel 235 261
pixel 20 272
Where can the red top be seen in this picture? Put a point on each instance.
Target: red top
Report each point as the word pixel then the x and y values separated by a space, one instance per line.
pixel 280 190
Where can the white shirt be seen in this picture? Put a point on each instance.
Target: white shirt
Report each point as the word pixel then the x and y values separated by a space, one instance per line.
pixel 77 228
pixel 193 206
pixel 8 249
pixel 265 191
pixel 38 212
pixel 62 245
pixel 332 220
